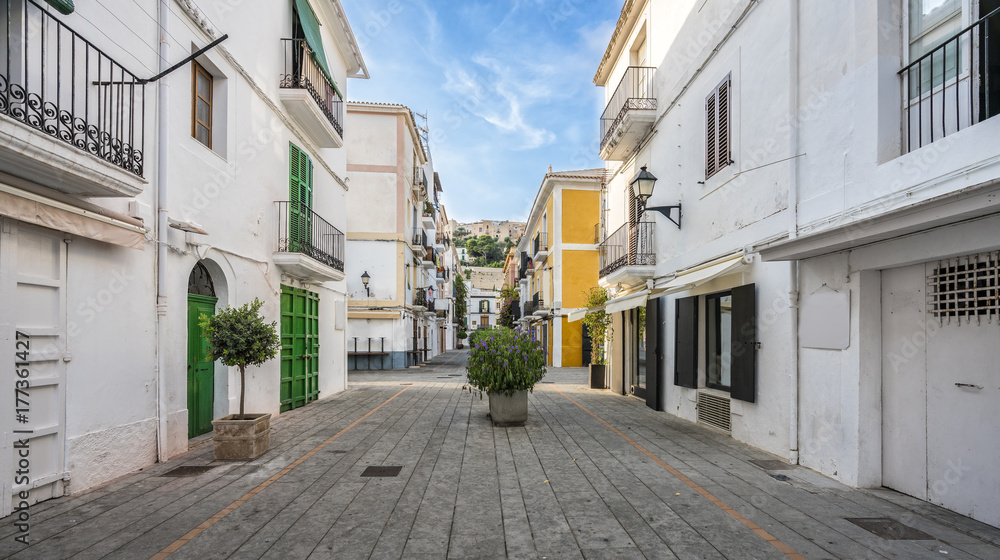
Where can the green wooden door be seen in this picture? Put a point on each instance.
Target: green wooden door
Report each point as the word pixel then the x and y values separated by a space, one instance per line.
pixel 300 196
pixel 299 347
pixel 201 372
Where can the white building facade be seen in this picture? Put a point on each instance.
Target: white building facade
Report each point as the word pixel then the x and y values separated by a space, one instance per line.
pixel 829 292
pixel 394 320
pixel 240 149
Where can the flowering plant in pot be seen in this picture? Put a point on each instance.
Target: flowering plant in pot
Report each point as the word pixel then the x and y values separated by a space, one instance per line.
pixel 505 364
pixel 240 337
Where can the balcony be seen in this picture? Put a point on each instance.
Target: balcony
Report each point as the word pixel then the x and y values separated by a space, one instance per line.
pixel 419 239
pixel 77 117
pixel 419 182
pixel 954 86
pixel 540 246
pixel 309 96
pixel 628 256
pixel 427 218
pixel 629 115
pixel 429 259
pixel 309 248
pixel 420 299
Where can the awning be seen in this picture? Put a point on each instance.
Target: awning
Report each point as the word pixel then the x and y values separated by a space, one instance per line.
pixel 696 276
pixel 576 315
pixel 81 218
pixel 310 26
pixel 624 303
pixel 64 7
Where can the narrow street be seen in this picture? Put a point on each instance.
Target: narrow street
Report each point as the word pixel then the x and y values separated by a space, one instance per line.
pixel 591 475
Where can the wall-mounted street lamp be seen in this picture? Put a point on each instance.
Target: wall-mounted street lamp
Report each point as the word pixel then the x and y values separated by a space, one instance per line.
pixel 364 280
pixel 642 187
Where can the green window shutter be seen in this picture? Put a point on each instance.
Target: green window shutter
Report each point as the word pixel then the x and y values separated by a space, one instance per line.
pixel 310 26
pixel 744 344
pixel 64 7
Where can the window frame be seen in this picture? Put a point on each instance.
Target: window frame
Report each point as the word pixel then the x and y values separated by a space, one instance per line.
pixel 196 71
pixel 715 315
pixel 714 160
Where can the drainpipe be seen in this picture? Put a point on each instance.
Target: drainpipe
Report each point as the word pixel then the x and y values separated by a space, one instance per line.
pixel 793 202
pixel 161 238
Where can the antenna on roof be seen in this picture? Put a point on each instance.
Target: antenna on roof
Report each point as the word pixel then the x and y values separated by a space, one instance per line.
pixel 424 132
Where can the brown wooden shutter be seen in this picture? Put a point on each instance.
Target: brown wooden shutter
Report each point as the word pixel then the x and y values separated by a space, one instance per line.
pixel 686 343
pixel 722 118
pixel 711 157
pixel 717 128
pixel 744 344
pixel 633 228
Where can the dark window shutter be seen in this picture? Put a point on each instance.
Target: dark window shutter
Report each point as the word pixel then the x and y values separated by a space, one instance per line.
pixel 654 354
pixel 711 155
pixel 722 118
pixel 744 340
pixel 633 219
pixel 686 343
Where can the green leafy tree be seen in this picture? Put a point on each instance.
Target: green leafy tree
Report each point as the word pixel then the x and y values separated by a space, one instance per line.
pixel 240 337
pixel 598 323
pixel 461 291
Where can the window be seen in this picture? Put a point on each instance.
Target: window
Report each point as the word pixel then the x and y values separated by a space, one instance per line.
pixel 718 340
pixel 931 22
pixel 717 151
pixel 730 342
pixel 201 104
pixel 484 306
pixel 966 287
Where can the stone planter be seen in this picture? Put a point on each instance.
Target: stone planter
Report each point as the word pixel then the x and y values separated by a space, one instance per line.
pixel 597 380
pixel 509 410
pixel 241 440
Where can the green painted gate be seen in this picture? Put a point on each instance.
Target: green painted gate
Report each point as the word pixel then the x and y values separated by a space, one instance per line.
pixel 299 347
pixel 201 372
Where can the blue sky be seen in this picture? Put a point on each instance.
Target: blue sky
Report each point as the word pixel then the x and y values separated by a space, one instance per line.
pixel 507 85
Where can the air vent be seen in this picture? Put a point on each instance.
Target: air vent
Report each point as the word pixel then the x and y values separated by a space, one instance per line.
pixel 713 410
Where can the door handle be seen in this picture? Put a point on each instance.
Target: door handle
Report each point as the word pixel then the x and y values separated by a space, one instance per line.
pixel 969 385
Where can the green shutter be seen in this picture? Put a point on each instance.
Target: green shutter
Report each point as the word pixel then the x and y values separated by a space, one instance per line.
pixel 310 26
pixel 64 7
pixel 300 176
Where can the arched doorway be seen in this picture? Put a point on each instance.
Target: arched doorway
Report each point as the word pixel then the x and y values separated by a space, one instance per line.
pixel 200 371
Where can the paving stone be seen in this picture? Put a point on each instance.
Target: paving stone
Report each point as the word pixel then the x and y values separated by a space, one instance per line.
pixel 562 486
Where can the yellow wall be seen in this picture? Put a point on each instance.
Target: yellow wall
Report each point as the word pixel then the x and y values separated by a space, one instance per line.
pixel 579 274
pixel 572 343
pixel 581 210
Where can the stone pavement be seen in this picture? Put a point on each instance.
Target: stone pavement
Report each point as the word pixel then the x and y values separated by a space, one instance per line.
pixel 591 475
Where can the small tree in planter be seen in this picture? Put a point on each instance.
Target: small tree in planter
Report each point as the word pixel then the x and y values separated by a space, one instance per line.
pixel 505 364
pixel 240 337
pixel 598 323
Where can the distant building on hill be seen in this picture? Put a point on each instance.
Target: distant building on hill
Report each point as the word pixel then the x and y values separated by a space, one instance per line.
pixel 495 228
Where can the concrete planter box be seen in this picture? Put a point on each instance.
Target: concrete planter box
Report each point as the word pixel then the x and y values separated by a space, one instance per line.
pixel 509 410
pixel 241 440
pixel 597 379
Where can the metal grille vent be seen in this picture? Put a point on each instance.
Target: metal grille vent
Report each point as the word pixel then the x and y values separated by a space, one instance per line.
pixel 966 287
pixel 713 410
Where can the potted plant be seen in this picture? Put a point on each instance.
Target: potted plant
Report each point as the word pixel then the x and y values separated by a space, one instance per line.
pixel 240 337
pixel 505 364
pixel 598 323
pixel 462 335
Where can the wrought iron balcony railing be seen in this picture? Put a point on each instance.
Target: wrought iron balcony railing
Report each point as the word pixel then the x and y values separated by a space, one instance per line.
pixel 59 83
pixel 955 85
pixel 634 92
pixel 629 245
pixel 540 242
pixel 302 72
pixel 420 297
pixel 300 230
pixel 420 237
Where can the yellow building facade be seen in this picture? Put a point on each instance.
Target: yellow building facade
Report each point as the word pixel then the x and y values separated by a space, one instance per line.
pixel 559 262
